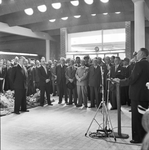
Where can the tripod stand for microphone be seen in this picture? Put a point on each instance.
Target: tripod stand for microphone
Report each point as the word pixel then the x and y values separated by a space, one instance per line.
pixel 107 129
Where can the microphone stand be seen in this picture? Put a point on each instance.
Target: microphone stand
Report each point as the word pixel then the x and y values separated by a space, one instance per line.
pixel 102 131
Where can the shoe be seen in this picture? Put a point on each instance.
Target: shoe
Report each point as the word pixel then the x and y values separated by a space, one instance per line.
pixel 78 105
pixel 25 110
pixel 133 141
pixel 50 104
pixel 17 113
pixel 113 108
pixel 59 102
pixel 130 110
pixel 69 103
pixel 91 107
pixel 41 105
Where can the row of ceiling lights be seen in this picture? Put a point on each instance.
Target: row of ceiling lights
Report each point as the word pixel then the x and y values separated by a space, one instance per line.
pixel 43 8
pixel 78 16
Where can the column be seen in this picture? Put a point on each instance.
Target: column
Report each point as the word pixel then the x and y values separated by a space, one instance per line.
pixel 63 42
pixel 129 46
pixel 47 50
pixel 139 19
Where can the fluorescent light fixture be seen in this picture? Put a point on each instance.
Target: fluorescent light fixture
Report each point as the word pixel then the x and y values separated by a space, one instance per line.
pixel 42 8
pixel 118 12
pixel 52 20
pixel 93 14
pixel 75 3
pixel 29 11
pixel 64 18
pixel 89 2
pixel 0 1
pixel 56 5
pixel 105 13
pixel 104 1
pixel 15 53
pixel 78 16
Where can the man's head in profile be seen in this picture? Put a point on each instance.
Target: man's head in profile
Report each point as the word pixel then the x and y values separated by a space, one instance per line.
pixel 142 53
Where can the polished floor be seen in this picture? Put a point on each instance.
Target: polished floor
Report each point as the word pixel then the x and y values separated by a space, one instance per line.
pixel 61 127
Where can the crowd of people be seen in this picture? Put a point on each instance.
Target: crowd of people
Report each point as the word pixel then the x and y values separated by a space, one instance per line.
pixel 80 81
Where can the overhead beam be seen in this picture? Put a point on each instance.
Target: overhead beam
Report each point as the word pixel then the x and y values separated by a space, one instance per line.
pixel 82 21
pixel 97 26
pixel 16 30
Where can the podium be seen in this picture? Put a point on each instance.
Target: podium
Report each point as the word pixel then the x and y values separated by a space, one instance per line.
pixel 119 134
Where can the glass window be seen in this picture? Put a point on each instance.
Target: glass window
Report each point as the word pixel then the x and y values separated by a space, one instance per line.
pixel 122 55
pixel 84 41
pixel 114 39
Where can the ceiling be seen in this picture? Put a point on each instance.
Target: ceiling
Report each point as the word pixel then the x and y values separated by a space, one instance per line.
pixel 12 13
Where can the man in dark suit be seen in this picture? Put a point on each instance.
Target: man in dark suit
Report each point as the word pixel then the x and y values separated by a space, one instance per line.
pixel 71 80
pixel 36 75
pixel 61 80
pixel 127 73
pixel 138 93
pixel 8 82
pixel 45 79
pixel 19 79
pixel 116 71
pixel 95 81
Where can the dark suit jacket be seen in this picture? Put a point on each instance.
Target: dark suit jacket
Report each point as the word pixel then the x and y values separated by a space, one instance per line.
pixel 60 73
pixel 70 74
pixel 119 73
pixel 3 73
pixel 95 78
pixel 137 81
pixel 43 75
pixel 127 71
pixel 19 77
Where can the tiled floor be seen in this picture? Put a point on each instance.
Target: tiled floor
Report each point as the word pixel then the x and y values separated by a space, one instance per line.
pixel 61 127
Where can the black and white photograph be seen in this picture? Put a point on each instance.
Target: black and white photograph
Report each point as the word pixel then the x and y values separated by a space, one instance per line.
pixel 74 74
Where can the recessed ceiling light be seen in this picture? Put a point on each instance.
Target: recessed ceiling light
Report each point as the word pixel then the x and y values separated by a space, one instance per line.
pixel 118 12
pixel 42 8
pixel 56 5
pixel 0 1
pixel 104 1
pixel 78 16
pixel 29 11
pixel 105 13
pixel 64 18
pixel 93 14
pixel 89 2
pixel 75 3
pixel 52 20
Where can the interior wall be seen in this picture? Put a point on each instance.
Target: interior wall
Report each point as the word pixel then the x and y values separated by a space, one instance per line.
pixel 34 46
pixel 55 48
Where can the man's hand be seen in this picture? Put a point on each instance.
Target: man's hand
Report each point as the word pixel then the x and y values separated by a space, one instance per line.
pixel 117 80
pixel 47 80
pixel 1 78
pixel 55 77
pixel 71 80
